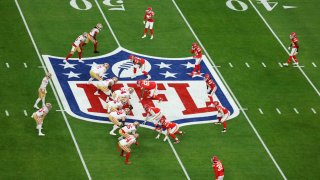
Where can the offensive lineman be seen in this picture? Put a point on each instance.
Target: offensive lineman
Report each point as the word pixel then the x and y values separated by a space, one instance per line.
pixel 115 116
pixel 92 36
pixel 125 144
pixel 137 64
pixel 105 86
pixel 39 116
pixel 97 72
pixel 42 91
pixel 77 46
pixel 148 20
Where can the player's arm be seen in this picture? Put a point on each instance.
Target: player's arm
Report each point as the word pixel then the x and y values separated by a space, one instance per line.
pixel 215 168
pixel 145 18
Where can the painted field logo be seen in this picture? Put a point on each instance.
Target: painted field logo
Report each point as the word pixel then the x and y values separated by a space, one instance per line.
pixel 184 98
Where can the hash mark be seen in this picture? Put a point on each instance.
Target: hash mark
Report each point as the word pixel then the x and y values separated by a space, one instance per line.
pixel 230 65
pixel 314 64
pixel 25 112
pixel 7 64
pixel 263 64
pixel 295 110
pixel 280 64
pixel 247 65
pixel 278 110
pixel 7 113
pixel 314 111
pixel 260 110
pixel 25 65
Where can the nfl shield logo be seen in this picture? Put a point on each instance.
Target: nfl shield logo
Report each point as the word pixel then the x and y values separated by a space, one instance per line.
pixel 184 98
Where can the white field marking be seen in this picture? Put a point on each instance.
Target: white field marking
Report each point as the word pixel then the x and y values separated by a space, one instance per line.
pixel 278 110
pixel 7 64
pixel 217 66
pixel 289 7
pixel 244 109
pixel 25 65
pixel 280 64
pixel 7 113
pixel 296 110
pixel 260 110
pixel 247 65
pixel 54 91
pixel 264 65
pixel 274 34
pixel 298 66
pixel 177 156
pixel 314 64
pixel 314 111
pixel 41 67
pixel 25 113
pixel 234 97
pixel 109 26
pixel 116 39
pixel 60 110
pixel 230 65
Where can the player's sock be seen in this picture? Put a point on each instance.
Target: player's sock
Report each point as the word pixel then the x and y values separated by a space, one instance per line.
pixel 211 99
pixel 95 45
pixel 121 154
pixel 134 70
pixel 68 56
pixel 289 59
pixel 128 156
pixel 219 119
pixel 115 127
pixel 145 31
pixel 224 125
pixel 80 54
pixel 295 59
pixel 173 136
pixel 37 101
pixel 151 31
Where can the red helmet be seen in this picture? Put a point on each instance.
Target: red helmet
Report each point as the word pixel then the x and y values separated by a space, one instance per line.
pixel 139 82
pixel 216 103
pixel 194 45
pixel 162 120
pixel 149 9
pixel 293 35
pixel 131 57
pixel 214 159
pixel 206 76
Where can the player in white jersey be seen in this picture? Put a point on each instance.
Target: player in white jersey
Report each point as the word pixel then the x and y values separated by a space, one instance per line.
pixel 42 91
pixel 125 144
pixel 123 93
pixel 115 116
pixel 76 46
pixel 128 129
pixel 92 36
pixel 96 72
pixel 39 116
pixel 105 86
pixel 113 105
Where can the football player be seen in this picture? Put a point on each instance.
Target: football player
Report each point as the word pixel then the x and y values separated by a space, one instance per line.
pixel 42 91
pixel 122 94
pixel 137 64
pixel 77 46
pixel 39 116
pixel 115 116
pixel 96 72
pixel 196 50
pixel 172 129
pixel 154 114
pixel 92 36
pixel 150 87
pixel 113 105
pixel 294 46
pixel 148 20
pixel 211 88
pixel 217 168
pixel 125 144
pixel 128 129
pixel 105 86
pixel 223 114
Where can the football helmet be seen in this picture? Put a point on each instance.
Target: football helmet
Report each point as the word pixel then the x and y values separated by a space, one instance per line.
pixel 206 76
pixel 85 34
pixel 115 79
pixel 146 107
pixel 194 45
pixel 130 90
pixel 48 75
pixel 214 159
pixel 127 110
pixel 106 65
pixel 99 26
pixel 136 124
pixel 293 35
pixel 149 9
pixel 49 106
pixel 131 57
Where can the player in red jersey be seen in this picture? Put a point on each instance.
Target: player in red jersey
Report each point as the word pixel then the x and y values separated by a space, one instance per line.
pixel 223 114
pixel 211 88
pixel 77 46
pixel 294 46
pixel 154 114
pixel 92 36
pixel 217 168
pixel 148 20
pixel 172 129
pixel 137 64
pixel 196 50
pixel 149 87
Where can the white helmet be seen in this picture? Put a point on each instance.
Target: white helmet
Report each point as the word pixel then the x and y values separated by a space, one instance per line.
pixel 99 26
pixel 85 34
pixel 49 106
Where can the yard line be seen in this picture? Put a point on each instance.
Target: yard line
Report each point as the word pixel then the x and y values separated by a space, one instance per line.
pixel 41 67
pixel 234 97
pixel 7 64
pixel 25 65
pixel 25 112
pixel 263 64
pixel 260 110
pixel 118 43
pixel 274 34
pixel 54 91
pixel 247 65
pixel 314 64
pixel 230 64
pixel 295 110
pixel 280 64
pixel 314 111
pixel 278 110
pixel 7 113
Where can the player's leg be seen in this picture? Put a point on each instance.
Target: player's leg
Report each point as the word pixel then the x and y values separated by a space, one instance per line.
pixel 172 134
pixel 44 92
pixel 115 126
pixel 224 121
pixel 145 29
pixel 295 57
pixel 39 99
pixel 151 30
pixel 73 49
pixel 219 116
pixel 39 126
pixel 79 50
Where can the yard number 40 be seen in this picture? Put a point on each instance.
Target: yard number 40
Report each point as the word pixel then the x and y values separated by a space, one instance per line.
pixel 243 6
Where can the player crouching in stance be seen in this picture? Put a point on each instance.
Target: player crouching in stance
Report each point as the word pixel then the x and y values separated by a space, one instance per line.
pixel 97 72
pixel 196 50
pixel 92 36
pixel 115 116
pixel 294 46
pixel 128 129
pixel 125 144
pixel 150 87
pixel 223 114
pixel 137 64
pixel 211 88
pixel 39 116
pixel 171 128
pixel 148 20
pixel 105 86
pixel 217 168
pixel 42 91
pixel 153 114
pixel 77 46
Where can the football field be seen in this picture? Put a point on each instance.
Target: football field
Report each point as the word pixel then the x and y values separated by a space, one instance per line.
pixel 275 135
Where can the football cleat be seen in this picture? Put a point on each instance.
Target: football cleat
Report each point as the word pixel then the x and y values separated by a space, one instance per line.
pixel 96 52
pixel 112 133
pixel 224 130
pixel 81 61
pixel 99 26
pixel 143 36
pixel 176 142
pixel 151 37
pixel 41 134
pixel 295 63
pixel 127 162
pixel 64 61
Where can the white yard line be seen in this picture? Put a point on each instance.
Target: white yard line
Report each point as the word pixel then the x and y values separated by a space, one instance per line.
pixel 260 110
pixel 55 93
pixel 230 65
pixel 264 65
pixel 314 111
pixel 278 110
pixel 234 97
pixel 118 43
pixel 274 34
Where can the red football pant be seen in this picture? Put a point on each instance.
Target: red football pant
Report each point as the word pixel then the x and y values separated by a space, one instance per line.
pixel 294 59
pixel 196 68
